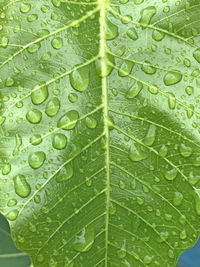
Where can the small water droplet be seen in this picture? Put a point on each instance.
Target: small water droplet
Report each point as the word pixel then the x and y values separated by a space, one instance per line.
pixel 171 174
pixel 12 215
pixel 171 254
pixel 73 97
pixel 52 107
pixel 196 55
pixel 9 82
pixel 178 198
pixel 35 140
pixel 65 174
pixel 91 122
pixel 183 235
pixel 132 33
pixel 136 154
pixel 6 169
pixel 163 151
pixel 59 141
pixel 33 48
pixel 153 89
pixel 57 43
pixel 134 91
pixel 18 141
pixel 151 136
pixel 172 77
pixel 148 68
pixel 158 35
pixel 148 259
pixel 125 68
pixel 189 90
pixel 40 258
pixel 22 188
pixel 12 202
pixel 84 241
pixel 171 101
pixel 36 159
pixel 185 151
pixel 4 41
pixel 69 120
pixel 25 7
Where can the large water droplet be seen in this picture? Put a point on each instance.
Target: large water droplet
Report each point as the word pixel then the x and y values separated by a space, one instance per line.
pixel 59 141
pixel 69 120
pixel 151 136
pixel 25 7
pixel 22 188
pixel 39 94
pixel 146 15
pixel 172 77
pixel 79 79
pixel 65 173
pixel 36 159
pixel 171 174
pixel 34 116
pixel 136 154
pixel 134 91
pixel 178 198
pixel 158 35
pixel 185 151
pixel 36 139
pixel 111 30
pixel 52 107
pixel 84 241
pixel 148 68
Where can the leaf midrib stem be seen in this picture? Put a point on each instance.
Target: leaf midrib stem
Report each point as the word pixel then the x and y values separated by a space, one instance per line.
pixel 103 4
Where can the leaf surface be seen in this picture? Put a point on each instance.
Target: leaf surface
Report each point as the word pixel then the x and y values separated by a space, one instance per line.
pixel 100 130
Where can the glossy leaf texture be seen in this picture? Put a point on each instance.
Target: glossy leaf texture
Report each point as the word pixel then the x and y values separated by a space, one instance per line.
pixel 100 144
pixel 9 255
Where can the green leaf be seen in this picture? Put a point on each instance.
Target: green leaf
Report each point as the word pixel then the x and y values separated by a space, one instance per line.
pixel 100 130
pixel 9 255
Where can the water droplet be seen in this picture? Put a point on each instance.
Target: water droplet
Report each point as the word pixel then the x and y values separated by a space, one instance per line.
pixel 84 241
pixel 148 259
pixel 125 68
pixel 59 141
pixel 182 219
pixel 151 136
pixel 73 97
pixel 132 33
pixel 189 90
pixel 153 89
pixel 9 82
pixel 185 151
pixel 36 159
pixel 121 253
pixel 65 173
pixel 171 174
pixel 172 77
pixel 6 169
pixel 140 200
pixel 79 79
pixel 111 30
pixel 91 122
pixel 34 116
pixel 52 107
pixel 12 202
pixel 4 41
pixel 148 68
pixel 134 91
pixel 39 94
pixel 33 48
pixel 40 258
pixel 171 101
pixel 12 215
pixel 121 184
pixel 35 140
pixel 158 35
pixel 25 7
pixel 69 120
pixel 146 15
pixel 171 254
pixel 138 2
pixel 136 154
pixel 183 235
pixel 18 141
pixel 57 43
pixel 22 188
pixel 193 179
pixel 178 198
pixel 32 17
pixel 196 55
